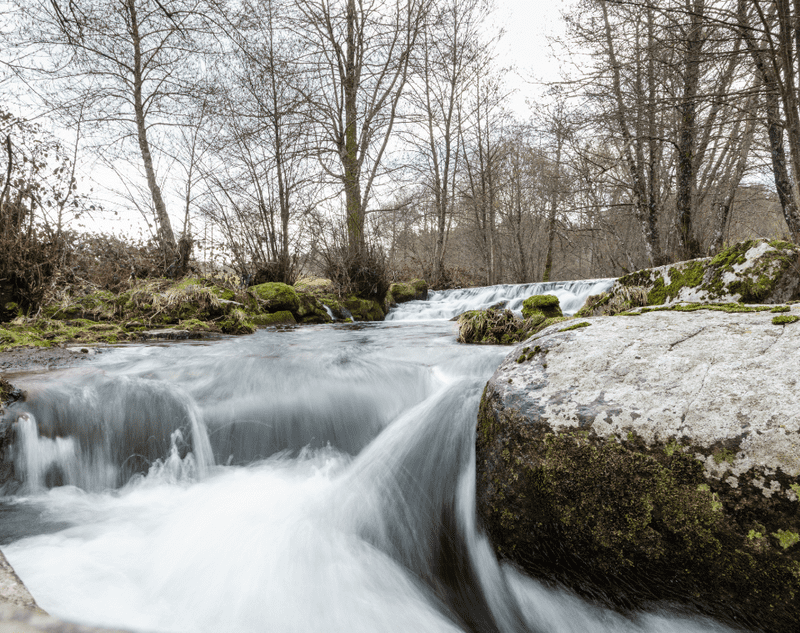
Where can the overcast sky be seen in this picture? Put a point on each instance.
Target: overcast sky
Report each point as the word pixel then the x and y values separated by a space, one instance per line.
pixel 527 24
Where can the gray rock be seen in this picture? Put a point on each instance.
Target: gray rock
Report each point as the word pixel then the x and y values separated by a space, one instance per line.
pixel 658 456
pixel 19 612
pixel 12 589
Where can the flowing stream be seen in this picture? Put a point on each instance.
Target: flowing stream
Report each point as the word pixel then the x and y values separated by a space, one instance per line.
pixel 318 478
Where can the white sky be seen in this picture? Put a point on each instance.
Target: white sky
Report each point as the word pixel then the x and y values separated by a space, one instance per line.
pixel 527 24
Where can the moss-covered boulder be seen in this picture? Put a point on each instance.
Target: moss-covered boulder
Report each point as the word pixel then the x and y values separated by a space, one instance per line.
pixel 282 317
pixel 416 289
pixel 500 326
pixel 755 271
pixel 311 309
pixel 364 309
pixel 546 305
pixel 651 458
pixel 275 296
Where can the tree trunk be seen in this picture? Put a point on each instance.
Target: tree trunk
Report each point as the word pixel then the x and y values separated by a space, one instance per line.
pixel 644 212
pixel 350 164
pixel 166 237
pixel 686 176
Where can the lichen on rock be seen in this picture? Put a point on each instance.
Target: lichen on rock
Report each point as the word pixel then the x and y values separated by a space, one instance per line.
pixel 755 271
pixel 638 460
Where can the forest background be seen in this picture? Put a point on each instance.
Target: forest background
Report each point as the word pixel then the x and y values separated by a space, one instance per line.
pixel 372 141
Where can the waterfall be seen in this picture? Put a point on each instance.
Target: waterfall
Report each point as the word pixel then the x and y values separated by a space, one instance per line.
pixel 319 478
pixel 446 304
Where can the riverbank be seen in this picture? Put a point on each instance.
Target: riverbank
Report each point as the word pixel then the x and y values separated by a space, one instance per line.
pixel 78 324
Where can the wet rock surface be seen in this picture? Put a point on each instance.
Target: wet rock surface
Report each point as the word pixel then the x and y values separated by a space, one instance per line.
pixel 37 358
pixel 652 457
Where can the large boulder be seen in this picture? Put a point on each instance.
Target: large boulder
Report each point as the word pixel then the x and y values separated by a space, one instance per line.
pixel 652 457
pixel 755 271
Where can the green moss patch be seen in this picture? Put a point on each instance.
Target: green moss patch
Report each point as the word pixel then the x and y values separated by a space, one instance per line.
pixel 409 291
pixel 785 319
pixel 283 317
pixel 546 305
pixel 769 276
pixel 276 296
pixel 626 524
pixel 576 326
pixel 364 309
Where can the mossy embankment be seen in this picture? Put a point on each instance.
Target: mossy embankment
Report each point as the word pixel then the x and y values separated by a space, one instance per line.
pixel 751 272
pixel 196 307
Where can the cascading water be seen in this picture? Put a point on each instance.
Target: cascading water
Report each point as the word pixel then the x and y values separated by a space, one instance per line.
pixel 310 479
pixel 445 304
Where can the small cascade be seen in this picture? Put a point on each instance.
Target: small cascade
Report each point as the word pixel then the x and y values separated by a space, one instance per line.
pixel 41 461
pixel 97 434
pixel 446 304
pixel 330 312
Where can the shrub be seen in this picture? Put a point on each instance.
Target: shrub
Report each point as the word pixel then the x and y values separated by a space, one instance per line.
pixel 362 273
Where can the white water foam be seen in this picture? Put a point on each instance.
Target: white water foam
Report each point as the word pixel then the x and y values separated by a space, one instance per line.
pixel 446 304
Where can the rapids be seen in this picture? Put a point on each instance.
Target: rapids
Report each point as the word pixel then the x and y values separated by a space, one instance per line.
pixel 318 478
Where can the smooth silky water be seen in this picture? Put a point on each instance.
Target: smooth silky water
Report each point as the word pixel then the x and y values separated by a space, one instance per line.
pixel 320 478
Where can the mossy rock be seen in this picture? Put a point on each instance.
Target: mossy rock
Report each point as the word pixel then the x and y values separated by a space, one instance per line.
pixel 238 322
pixel 364 309
pixel 282 317
pixel 624 524
pixel 415 289
pixel 499 326
pixel 311 309
pixel 314 285
pixel 754 271
pixel 276 296
pixel 630 496
pixel 491 327
pixel 547 305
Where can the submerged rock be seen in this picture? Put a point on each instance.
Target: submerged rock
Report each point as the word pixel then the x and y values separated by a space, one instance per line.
pixel 756 271
pixel 651 458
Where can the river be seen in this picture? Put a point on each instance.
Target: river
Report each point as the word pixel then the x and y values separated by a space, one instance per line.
pixel 317 478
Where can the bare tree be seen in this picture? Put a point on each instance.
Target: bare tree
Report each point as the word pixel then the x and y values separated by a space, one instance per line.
pixel 483 149
pixel 357 61
pixel 126 64
pixel 452 43
pixel 770 32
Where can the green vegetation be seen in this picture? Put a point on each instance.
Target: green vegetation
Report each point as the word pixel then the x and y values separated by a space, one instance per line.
pixel 729 273
pixel 201 306
pixel 787 538
pixel 409 291
pixel 574 507
pixel 499 326
pixel 785 319
pixel 620 300
pixel 277 296
pixel 687 276
pixel 546 305
pixel 576 326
